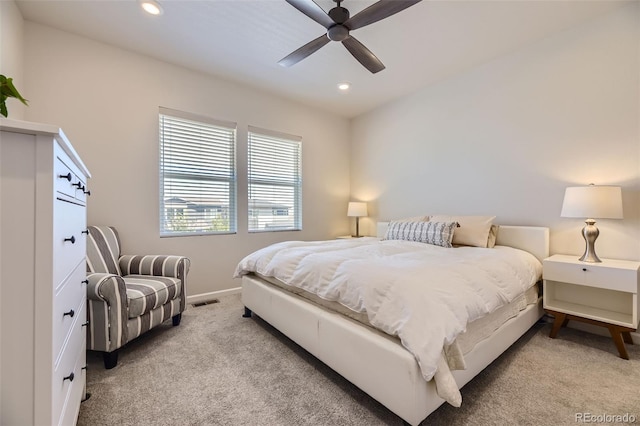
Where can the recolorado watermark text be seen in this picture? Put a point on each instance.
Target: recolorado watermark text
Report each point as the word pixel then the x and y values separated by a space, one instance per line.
pixel 605 418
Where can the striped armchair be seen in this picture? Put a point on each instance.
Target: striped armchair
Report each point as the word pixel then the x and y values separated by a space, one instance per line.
pixel 129 295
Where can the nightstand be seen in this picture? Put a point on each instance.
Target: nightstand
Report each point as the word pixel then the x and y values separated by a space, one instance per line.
pixel 603 294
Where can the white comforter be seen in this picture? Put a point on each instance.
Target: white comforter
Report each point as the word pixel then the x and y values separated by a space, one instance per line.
pixel 424 294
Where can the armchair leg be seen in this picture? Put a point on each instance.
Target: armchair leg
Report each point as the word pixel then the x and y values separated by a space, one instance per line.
pixel 110 359
pixel 176 319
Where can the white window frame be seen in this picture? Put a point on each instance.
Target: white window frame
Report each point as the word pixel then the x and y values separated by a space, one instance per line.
pixel 220 148
pixel 289 146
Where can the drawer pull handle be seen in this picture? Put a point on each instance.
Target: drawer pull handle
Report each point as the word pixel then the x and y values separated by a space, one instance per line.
pixel 88 193
pixel 71 313
pixel 584 269
pixel 85 232
pixel 78 184
pixel 84 282
pixel 84 368
pixel 72 239
pixel 85 324
pixel 70 377
pixel 67 177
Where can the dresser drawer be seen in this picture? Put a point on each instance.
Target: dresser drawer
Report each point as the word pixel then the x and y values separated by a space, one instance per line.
pixel 67 393
pixel 70 297
pixel 70 184
pixel 69 223
pixel 592 275
pixel 64 178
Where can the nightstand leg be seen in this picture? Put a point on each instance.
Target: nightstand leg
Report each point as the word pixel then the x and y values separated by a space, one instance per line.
pixel 616 335
pixel 626 336
pixel 560 321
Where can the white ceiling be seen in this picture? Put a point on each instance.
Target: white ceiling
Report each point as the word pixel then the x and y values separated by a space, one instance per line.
pixel 242 40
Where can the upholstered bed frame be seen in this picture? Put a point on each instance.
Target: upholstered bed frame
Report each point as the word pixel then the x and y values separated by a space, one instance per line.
pixel 374 362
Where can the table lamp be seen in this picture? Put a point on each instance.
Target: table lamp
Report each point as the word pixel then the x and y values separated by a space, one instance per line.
pixel 601 202
pixel 357 210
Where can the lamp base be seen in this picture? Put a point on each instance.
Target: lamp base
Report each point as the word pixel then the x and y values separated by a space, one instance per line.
pixel 590 233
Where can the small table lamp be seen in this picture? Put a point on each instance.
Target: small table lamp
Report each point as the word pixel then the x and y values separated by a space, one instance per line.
pixel 357 210
pixel 602 202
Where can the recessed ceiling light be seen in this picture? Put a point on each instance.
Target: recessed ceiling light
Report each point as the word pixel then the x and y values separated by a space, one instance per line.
pixel 344 86
pixel 151 6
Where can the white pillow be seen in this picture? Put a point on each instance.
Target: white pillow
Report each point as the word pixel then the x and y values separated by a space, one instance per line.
pixel 473 230
pixel 413 219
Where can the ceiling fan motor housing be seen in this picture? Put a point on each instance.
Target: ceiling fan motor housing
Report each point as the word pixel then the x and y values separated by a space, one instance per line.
pixel 339 14
pixel 338 33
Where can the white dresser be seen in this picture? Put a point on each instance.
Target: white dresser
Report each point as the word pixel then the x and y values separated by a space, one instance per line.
pixel 43 192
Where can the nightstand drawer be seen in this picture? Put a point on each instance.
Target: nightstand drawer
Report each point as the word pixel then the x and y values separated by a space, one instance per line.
pixel 592 275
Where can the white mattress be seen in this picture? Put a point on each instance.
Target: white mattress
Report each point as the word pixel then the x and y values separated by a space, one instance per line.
pixel 476 331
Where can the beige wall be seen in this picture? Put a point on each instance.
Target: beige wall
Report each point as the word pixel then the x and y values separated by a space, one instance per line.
pixel 11 54
pixel 106 100
pixel 506 138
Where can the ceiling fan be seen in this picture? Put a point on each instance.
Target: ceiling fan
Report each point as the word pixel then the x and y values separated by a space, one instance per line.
pixel 339 25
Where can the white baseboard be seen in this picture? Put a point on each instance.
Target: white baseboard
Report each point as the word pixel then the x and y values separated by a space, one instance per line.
pixel 204 297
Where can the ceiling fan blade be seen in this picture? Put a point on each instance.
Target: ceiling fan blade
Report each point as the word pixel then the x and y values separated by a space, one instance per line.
pixel 377 11
pixel 306 50
pixel 313 11
pixel 363 55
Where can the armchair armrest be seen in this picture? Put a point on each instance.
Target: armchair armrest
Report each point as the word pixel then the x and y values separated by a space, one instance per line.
pixel 162 266
pixel 107 312
pixel 106 287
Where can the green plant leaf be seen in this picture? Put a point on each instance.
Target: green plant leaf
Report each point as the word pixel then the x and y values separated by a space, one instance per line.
pixel 8 90
pixel 14 92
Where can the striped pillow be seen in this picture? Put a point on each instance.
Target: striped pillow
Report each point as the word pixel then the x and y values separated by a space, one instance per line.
pixel 435 233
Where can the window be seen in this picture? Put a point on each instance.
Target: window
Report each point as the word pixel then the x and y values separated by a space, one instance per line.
pixel 197 175
pixel 275 181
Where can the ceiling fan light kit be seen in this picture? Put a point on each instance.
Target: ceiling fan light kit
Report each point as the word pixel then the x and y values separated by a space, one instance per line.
pixel 339 25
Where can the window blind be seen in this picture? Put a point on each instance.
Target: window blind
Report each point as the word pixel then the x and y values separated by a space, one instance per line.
pixel 274 181
pixel 197 175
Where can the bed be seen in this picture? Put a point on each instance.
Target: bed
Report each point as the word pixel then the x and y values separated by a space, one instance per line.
pixel 378 363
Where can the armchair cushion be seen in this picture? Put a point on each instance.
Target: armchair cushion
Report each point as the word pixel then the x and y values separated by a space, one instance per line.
pixel 145 292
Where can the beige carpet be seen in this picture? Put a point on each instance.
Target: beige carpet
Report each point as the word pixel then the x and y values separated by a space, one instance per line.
pixel 218 368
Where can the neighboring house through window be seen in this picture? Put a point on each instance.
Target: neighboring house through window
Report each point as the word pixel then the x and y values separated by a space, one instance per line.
pixel 197 174
pixel 275 181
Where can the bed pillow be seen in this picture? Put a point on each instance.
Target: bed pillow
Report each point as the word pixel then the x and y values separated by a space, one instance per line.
pixel 435 233
pixel 414 219
pixel 493 234
pixel 473 230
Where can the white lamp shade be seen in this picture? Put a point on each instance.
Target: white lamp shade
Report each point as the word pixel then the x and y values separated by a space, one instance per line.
pixel 357 209
pixel 592 202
